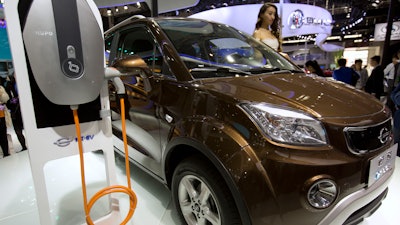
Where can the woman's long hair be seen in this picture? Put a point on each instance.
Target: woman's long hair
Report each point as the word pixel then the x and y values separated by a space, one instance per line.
pixel 314 64
pixel 275 28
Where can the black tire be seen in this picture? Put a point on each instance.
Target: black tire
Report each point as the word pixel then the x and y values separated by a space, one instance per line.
pixel 217 206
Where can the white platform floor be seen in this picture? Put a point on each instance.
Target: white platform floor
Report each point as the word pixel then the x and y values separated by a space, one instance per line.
pixel 18 203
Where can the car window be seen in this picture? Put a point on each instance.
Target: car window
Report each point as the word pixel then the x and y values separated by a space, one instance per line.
pixel 210 50
pixel 139 41
pixel 107 45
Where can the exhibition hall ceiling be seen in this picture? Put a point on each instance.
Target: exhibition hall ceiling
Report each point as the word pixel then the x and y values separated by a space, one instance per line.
pixel 345 13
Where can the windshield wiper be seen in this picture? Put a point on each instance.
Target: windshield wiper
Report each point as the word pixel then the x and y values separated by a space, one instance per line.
pixel 274 70
pixel 211 67
pixel 263 69
pixel 219 70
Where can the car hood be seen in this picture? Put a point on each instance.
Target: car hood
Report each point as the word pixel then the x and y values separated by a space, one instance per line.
pixel 316 95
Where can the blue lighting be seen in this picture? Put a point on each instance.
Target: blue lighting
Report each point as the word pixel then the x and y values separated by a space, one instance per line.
pixel 3 23
pixel 5 53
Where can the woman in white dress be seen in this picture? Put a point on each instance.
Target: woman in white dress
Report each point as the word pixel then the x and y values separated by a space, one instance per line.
pixel 267 27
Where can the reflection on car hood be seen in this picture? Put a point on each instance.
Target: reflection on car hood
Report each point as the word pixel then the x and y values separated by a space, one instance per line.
pixel 321 97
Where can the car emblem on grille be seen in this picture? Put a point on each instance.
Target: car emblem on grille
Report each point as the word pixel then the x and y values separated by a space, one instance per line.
pixel 384 135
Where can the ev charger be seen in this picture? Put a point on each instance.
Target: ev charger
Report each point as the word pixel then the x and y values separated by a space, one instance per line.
pixel 58 55
pixel 70 68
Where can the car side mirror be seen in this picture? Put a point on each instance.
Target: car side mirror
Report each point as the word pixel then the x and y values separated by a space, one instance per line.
pixel 130 66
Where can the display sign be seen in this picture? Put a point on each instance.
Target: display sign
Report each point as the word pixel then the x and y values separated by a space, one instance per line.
pixel 297 19
pixel 301 19
pixel 381 28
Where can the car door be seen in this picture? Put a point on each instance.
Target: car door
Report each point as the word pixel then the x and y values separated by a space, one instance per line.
pixel 142 96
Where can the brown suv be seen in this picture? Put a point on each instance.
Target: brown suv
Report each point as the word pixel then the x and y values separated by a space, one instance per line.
pixel 240 134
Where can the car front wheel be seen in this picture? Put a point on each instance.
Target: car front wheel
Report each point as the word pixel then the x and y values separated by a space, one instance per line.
pixel 201 196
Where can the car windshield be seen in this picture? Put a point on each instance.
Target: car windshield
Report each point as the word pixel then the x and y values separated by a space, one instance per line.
pixel 211 49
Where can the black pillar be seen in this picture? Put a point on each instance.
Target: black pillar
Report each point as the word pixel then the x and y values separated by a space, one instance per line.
pixel 387 55
pixel 154 8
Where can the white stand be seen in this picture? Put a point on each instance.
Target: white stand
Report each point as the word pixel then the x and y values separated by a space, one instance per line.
pixel 41 142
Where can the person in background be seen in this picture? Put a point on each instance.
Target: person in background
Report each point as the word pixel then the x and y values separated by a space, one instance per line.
pixel 3 127
pixel 314 68
pixel 397 71
pixel 389 78
pixel 344 73
pixel 267 27
pixel 374 84
pixel 362 72
pixel 14 106
pixel 389 72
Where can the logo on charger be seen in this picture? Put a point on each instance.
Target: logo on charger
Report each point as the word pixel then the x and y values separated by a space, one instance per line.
pixel 65 141
pixel 72 68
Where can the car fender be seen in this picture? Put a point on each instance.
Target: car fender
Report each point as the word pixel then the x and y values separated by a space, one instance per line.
pixel 206 136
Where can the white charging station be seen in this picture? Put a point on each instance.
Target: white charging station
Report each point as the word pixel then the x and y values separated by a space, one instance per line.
pixel 58 54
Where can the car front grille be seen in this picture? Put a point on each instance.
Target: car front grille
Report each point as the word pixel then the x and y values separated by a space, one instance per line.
pixel 361 140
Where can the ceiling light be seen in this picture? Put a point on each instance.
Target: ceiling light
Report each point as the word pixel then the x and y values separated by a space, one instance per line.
pixel 333 38
pixel 125 7
pixel 109 12
pixel 294 41
pixel 352 36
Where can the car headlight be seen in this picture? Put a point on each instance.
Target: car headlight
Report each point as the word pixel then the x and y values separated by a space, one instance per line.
pixel 286 125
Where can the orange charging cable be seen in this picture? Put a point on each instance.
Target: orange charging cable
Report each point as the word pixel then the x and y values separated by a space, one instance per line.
pixel 111 189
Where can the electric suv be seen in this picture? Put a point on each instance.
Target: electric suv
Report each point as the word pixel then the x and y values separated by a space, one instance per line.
pixel 240 134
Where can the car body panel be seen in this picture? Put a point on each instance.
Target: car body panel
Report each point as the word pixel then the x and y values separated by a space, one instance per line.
pixel 299 90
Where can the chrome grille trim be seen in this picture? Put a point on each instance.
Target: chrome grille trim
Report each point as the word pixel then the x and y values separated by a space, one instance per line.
pixel 378 132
